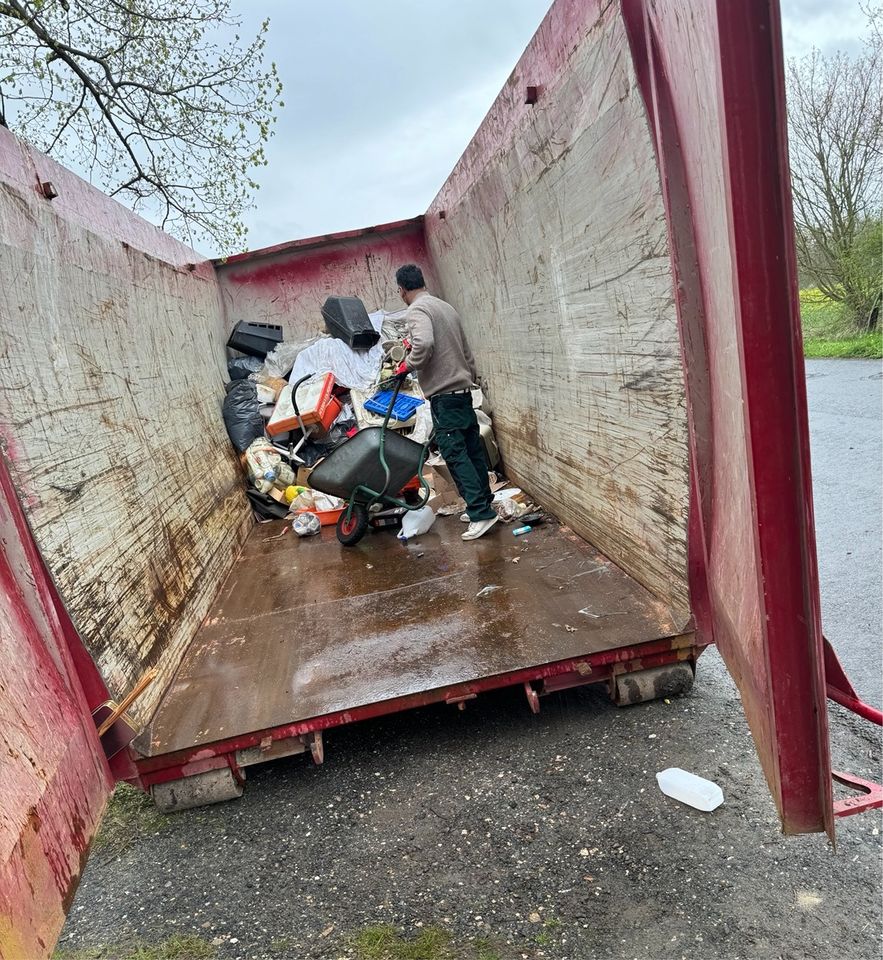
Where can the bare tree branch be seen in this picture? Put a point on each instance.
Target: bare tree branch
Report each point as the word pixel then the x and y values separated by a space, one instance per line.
pixel 149 98
pixel 835 118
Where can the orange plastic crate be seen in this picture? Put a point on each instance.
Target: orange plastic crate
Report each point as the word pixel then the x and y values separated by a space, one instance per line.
pixel 328 518
pixel 317 407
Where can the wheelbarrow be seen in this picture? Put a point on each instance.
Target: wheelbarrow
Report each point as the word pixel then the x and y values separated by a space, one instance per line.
pixel 371 467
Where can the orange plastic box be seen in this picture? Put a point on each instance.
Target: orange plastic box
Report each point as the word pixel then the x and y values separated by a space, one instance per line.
pixel 316 404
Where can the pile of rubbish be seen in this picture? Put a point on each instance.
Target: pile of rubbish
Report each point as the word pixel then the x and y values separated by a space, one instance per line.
pixel 289 404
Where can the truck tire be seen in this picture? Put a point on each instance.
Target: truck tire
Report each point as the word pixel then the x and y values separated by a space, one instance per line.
pixel 213 786
pixel 639 686
pixel 351 533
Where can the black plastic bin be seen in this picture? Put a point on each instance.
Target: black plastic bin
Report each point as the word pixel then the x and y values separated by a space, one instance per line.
pixel 255 339
pixel 347 319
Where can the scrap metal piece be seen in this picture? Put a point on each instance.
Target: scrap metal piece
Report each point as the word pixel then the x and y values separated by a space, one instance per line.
pixel 533 697
pixel 869 797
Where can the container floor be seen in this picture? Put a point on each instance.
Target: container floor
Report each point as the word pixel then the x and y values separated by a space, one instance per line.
pixel 303 628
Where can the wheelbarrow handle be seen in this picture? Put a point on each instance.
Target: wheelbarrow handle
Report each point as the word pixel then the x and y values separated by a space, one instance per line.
pixel 294 390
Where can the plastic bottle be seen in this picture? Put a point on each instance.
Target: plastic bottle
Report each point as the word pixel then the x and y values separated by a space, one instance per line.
pixel 292 493
pixel 284 476
pixel 690 789
pixel 262 459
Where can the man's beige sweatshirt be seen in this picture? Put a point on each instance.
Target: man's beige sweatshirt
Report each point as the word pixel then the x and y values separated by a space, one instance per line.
pixel 440 355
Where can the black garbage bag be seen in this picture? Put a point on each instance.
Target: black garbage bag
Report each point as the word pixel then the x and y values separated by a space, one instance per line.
pixel 265 506
pixel 338 433
pixel 242 414
pixel 311 453
pixel 240 368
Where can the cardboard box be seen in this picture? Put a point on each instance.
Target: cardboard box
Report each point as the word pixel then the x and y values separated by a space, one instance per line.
pixel 303 476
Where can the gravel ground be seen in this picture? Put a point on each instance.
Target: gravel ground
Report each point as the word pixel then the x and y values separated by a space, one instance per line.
pixel 541 836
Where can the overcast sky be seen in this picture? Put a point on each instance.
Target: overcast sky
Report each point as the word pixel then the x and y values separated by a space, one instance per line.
pixel 381 98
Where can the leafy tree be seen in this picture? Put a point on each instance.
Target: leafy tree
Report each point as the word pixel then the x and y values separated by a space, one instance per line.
pixel 835 119
pixel 159 102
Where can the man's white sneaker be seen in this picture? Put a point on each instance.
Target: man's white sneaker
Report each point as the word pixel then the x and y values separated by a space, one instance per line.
pixel 464 518
pixel 478 528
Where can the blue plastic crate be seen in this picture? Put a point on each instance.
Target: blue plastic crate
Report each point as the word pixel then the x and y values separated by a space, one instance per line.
pixel 402 410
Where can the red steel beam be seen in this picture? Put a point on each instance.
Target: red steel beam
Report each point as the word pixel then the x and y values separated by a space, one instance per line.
pixel 595 668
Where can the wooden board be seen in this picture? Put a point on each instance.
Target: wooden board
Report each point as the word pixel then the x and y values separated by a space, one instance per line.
pixel 553 247
pixel 110 400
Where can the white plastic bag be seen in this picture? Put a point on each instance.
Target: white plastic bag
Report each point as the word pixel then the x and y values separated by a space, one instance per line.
pixel 351 368
pixel 304 501
pixel 262 460
pixel 416 522
pixel 281 359
pixel 507 509
pixel 422 424
pixel 306 525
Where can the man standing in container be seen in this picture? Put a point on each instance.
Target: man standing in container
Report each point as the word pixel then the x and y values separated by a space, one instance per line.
pixel 445 368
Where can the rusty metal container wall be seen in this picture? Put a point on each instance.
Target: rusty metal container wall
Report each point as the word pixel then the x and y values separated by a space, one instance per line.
pixel 110 402
pixel 550 238
pixel 288 283
pixel 53 775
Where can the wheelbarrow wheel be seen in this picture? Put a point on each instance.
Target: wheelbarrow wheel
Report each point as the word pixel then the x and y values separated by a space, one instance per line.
pixel 350 533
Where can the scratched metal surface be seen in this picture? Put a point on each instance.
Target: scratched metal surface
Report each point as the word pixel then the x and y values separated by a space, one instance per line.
pixel 289 284
pixel 110 402
pixel 553 247
pixel 306 627
pixel 53 778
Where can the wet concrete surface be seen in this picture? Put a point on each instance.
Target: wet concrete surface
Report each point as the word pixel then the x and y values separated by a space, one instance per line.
pixel 545 835
pixel 307 627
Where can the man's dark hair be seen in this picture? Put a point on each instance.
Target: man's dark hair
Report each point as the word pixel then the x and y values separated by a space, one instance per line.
pixel 410 277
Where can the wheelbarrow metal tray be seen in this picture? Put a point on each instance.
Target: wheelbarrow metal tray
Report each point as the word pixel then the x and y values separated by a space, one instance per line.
pixel 357 462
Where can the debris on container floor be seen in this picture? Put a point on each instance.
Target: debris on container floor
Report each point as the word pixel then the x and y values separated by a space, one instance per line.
pixel 696 792
pixel 292 404
pixel 487 591
pixel 507 510
pixel 306 524
pixel 417 523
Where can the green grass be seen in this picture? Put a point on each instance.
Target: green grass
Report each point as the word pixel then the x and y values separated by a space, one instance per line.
pixel 827 331
pixel 130 814
pixel 386 943
pixel 868 346
pixel 178 947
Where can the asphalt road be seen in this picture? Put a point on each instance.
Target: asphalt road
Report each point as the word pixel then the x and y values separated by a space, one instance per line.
pixel 845 399
pixel 541 836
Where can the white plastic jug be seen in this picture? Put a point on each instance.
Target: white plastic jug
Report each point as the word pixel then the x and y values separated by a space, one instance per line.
pixel 416 522
pixel 690 789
